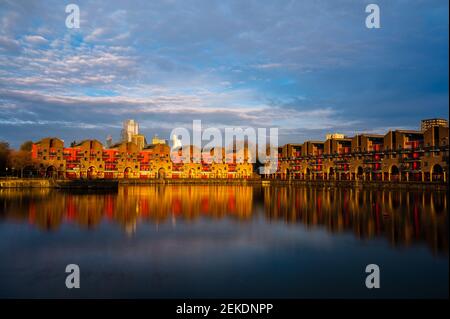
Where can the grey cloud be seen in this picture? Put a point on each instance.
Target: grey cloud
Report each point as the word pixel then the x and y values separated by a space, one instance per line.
pixel 9 45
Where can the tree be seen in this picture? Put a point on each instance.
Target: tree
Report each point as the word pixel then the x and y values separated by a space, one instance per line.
pixel 4 156
pixel 26 146
pixel 19 160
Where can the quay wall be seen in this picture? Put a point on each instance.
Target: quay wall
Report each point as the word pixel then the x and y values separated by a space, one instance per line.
pixel 26 183
pixel 51 183
pixel 275 182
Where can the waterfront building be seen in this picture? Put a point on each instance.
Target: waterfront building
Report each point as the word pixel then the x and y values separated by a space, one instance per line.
pixel 426 124
pixel 331 136
pixel 397 156
pixel 290 151
pixel 402 152
pixel 312 148
pixel 49 153
pixel 336 159
pixel 313 153
pixel 155 161
pixel 127 164
pixel 435 159
pixel 88 159
pixel 367 150
pixel 139 140
pixel 84 160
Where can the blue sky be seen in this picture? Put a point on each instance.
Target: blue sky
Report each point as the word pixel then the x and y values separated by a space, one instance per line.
pixel 306 67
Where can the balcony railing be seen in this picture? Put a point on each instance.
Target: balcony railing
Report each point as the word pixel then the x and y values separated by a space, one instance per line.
pixel 372 161
pixel 409 159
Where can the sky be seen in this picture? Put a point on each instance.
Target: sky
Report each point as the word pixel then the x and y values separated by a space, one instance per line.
pixel 306 67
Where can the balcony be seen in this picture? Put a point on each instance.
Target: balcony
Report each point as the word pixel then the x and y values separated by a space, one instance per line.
pixel 411 150
pixel 315 164
pixel 341 170
pixel 409 160
pixel 341 162
pixel 409 169
pixel 372 161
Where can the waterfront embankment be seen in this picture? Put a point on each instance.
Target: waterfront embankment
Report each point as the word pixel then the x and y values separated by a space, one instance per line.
pixel 112 184
pixel 26 183
pixel 294 182
pixel 54 183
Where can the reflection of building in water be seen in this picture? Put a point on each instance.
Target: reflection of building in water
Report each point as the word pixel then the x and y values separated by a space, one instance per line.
pixel 404 218
pixel 162 203
pixel 157 204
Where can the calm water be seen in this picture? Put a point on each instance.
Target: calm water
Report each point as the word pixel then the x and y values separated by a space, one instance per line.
pixel 223 241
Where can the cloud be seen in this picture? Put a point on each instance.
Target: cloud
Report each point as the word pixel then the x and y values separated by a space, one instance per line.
pixel 36 39
pixel 305 67
pixel 9 45
pixel 96 34
pixel 162 112
pixel 269 65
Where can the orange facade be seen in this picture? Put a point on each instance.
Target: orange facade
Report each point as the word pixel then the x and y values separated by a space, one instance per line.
pixel 89 160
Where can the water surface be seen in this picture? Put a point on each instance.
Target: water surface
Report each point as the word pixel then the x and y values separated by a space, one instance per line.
pixel 223 241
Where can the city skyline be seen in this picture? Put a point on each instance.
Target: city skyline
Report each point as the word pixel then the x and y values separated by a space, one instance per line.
pixel 397 156
pixel 154 139
pixel 308 68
